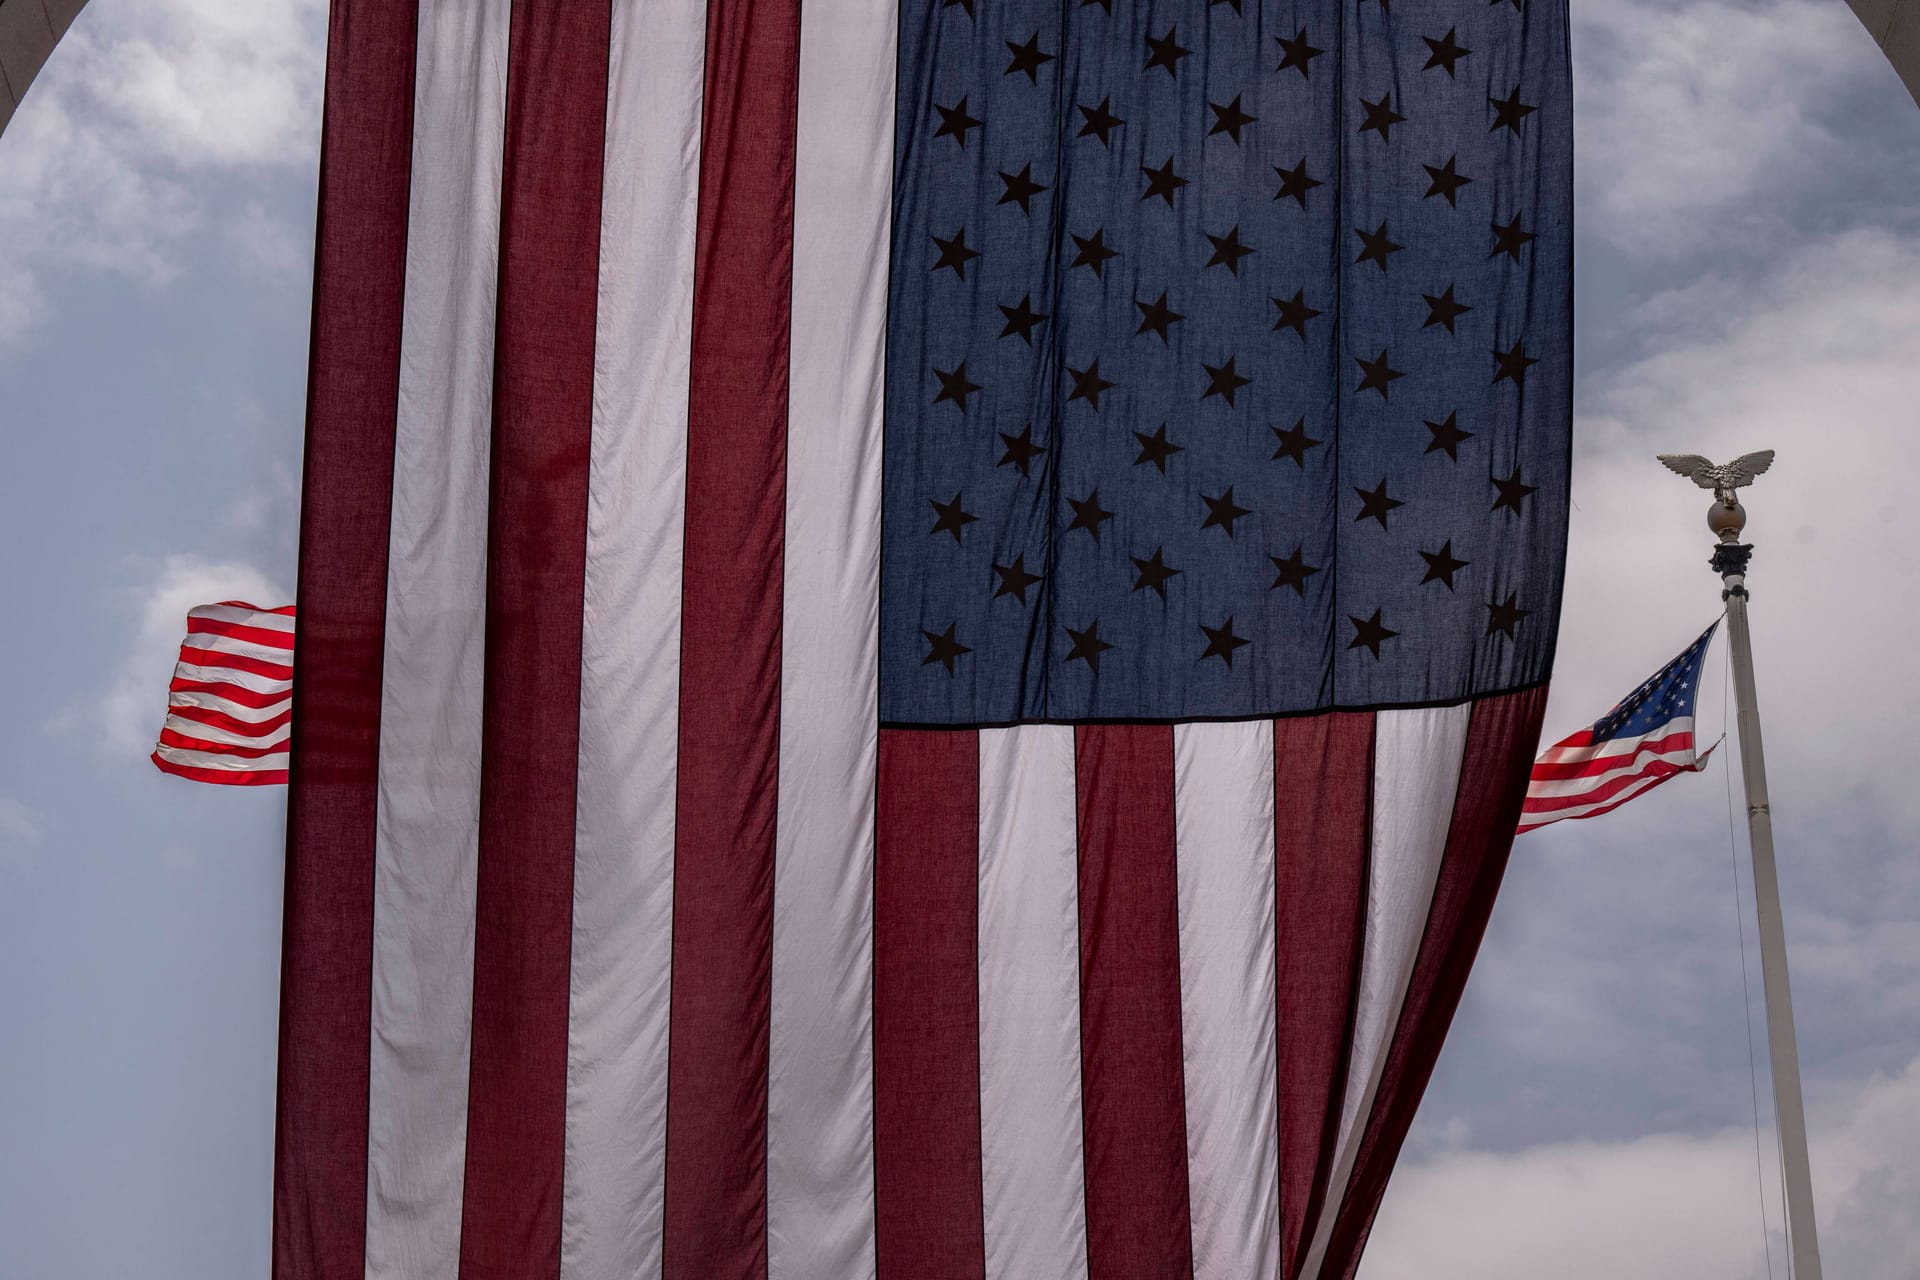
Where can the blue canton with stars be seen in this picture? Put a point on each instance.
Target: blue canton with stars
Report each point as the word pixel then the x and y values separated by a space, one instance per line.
pixel 1229 357
pixel 1670 693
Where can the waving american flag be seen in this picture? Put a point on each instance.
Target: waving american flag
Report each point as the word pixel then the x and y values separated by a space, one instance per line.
pixel 922 626
pixel 230 704
pixel 1644 740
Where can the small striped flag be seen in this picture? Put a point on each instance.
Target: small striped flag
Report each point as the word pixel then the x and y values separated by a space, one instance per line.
pixel 1635 747
pixel 231 698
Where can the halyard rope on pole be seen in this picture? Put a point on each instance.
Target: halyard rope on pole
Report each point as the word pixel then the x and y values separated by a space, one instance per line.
pixel 1746 991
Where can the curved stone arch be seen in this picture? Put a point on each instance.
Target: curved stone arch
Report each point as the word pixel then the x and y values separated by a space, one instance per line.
pixel 1895 26
pixel 29 29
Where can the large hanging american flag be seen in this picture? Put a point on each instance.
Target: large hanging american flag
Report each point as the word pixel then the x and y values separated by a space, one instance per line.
pixel 922 626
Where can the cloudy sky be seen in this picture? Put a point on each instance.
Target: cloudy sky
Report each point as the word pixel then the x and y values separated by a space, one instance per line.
pixel 1749 259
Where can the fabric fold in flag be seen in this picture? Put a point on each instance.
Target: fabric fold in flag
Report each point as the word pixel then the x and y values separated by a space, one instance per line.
pixel 922 627
pixel 1646 739
pixel 230 704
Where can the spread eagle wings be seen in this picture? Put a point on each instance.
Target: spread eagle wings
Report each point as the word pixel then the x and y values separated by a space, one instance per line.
pixel 1704 473
pixel 1690 465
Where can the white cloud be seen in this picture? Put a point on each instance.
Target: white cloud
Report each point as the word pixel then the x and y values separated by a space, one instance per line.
pixel 1685 112
pixel 142 105
pixel 19 832
pixel 134 704
pixel 1661 1205
pixel 1607 999
pixel 1820 360
pixel 21 301
pixel 208 82
pixel 266 242
pixel 1609 971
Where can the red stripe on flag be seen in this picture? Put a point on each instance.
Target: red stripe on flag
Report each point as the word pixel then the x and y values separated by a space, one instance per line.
pixel 237 631
pixel 326 964
pixel 716 1178
pixel 235 693
pixel 930 1220
pixel 232 724
pixel 1578 738
pixel 1604 789
pixel 536 558
pixel 285 610
pixel 1323 795
pixel 230 778
pixel 237 662
pixel 1529 820
pixel 1565 770
pixel 1133 1081
pixel 1501 740
pixel 174 738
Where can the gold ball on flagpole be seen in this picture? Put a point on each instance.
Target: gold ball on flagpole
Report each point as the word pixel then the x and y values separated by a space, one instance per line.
pixel 1726 520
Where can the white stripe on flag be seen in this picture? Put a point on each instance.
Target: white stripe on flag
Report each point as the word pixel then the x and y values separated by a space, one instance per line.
pixel 630 650
pixel 1620 797
pixel 1562 754
pixel 1033 1178
pixel 226 706
pixel 1560 788
pixel 275 655
pixel 231 764
pixel 820 1208
pixel 214 733
pixel 268 685
pixel 429 790
pixel 1223 811
pixel 1416 774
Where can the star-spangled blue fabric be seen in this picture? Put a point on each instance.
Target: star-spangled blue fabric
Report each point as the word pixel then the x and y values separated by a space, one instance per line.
pixel 1350 448
pixel 1667 696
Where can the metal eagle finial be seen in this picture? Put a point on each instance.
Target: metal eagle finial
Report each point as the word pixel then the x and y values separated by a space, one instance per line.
pixel 1724 479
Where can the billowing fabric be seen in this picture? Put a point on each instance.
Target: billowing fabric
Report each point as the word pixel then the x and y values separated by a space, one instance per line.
pixel 1644 740
pixel 230 703
pixel 679 885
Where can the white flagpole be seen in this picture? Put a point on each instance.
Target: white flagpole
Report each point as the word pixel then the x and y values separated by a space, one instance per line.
pixel 1727 519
